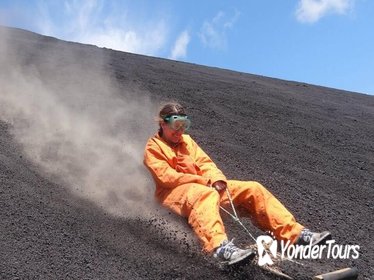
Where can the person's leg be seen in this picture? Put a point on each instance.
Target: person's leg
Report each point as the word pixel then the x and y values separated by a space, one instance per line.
pixel 200 204
pixel 266 211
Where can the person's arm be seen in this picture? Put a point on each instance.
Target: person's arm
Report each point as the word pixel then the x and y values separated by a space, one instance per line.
pixel 207 166
pixel 164 174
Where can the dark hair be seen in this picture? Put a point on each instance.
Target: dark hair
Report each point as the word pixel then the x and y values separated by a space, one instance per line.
pixel 171 108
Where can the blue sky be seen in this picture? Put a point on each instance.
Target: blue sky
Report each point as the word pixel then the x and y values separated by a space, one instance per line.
pixel 322 42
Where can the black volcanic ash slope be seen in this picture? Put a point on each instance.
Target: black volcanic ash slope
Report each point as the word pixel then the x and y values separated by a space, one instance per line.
pixel 311 146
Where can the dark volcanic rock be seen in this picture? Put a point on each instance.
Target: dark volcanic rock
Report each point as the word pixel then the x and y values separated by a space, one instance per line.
pixel 311 146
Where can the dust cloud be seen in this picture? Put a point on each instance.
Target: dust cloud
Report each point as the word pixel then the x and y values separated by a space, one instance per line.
pixel 76 122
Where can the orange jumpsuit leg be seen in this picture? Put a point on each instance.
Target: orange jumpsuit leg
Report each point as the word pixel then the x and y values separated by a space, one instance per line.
pixel 265 210
pixel 200 204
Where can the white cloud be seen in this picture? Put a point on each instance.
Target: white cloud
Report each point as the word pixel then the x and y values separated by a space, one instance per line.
pixel 213 33
pixel 143 41
pixel 312 10
pixel 86 22
pixel 82 12
pixel 180 46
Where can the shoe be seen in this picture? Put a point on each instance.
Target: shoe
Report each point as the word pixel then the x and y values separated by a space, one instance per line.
pixel 307 237
pixel 229 254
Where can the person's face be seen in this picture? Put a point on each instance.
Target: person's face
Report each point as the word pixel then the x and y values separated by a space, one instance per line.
pixel 170 135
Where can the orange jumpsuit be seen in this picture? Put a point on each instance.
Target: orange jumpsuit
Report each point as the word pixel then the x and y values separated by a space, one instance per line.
pixel 183 175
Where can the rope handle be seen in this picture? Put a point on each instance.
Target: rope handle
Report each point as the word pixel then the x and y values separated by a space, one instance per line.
pixel 235 215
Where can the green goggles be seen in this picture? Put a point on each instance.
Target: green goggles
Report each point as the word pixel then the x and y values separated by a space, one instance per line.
pixel 178 122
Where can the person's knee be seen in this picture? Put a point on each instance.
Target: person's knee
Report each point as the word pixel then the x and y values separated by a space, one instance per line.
pixel 258 186
pixel 259 189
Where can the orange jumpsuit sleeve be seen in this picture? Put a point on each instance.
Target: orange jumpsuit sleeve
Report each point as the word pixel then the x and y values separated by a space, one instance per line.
pixel 207 166
pixel 164 174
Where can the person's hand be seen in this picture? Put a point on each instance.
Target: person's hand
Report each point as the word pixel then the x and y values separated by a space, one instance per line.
pixel 219 185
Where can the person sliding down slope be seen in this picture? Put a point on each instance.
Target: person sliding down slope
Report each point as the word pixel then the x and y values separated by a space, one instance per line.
pixel 190 184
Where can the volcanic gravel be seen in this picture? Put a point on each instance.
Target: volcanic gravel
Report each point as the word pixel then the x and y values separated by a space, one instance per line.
pixel 311 146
